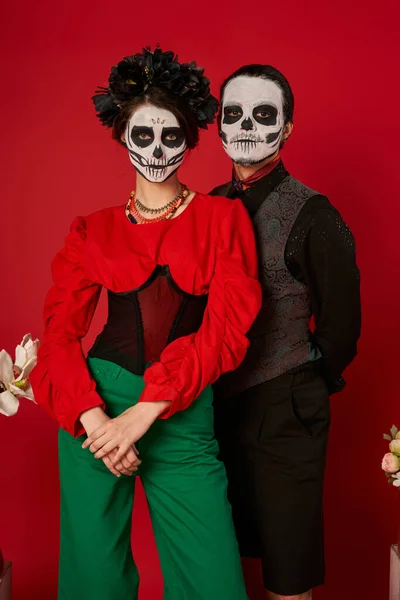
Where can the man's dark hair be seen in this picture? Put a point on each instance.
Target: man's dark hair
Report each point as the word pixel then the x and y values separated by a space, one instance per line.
pixel 272 74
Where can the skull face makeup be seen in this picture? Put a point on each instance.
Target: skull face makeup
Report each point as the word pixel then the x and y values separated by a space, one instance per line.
pixel 252 119
pixel 156 143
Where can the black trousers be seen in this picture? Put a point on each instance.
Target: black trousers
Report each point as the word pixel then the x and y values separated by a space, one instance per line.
pixel 273 440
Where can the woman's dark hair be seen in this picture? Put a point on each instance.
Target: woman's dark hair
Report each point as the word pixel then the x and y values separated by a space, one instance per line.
pixel 272 74
pixel 161 98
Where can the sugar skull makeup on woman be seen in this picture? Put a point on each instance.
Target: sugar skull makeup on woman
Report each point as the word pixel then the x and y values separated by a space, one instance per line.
pixel 180 270
pixel 156 143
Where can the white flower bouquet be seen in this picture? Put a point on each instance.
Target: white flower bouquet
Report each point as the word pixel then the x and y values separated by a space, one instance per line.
pixel 14 376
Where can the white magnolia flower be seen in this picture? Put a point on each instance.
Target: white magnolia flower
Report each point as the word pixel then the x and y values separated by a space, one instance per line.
pixel 8 402
pixel 26 355
pixel 14 378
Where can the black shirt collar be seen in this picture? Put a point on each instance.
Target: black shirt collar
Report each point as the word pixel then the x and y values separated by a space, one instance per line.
pixel 255 195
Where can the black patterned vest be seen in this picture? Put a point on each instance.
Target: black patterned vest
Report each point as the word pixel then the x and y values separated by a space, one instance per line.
pixel 280 337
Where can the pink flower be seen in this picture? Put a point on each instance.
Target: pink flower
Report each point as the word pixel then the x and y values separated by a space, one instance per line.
pixel 390 463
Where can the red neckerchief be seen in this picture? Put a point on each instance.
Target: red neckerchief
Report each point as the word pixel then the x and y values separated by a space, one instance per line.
pixel 243 184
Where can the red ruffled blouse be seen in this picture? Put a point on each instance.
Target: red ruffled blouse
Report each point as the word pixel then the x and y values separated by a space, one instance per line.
pixel 208 249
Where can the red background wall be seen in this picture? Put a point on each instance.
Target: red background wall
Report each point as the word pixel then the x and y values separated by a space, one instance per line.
pixel 57 162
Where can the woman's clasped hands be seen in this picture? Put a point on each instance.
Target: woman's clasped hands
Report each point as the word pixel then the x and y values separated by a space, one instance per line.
pixel 113 440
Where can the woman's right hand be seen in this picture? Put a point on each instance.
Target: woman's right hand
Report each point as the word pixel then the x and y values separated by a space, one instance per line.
pixel 129 463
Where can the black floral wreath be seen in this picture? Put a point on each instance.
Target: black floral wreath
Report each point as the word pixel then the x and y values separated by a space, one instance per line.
pixel 134 74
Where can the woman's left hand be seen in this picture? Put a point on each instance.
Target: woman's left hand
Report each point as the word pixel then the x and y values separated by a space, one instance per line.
pixel 123 431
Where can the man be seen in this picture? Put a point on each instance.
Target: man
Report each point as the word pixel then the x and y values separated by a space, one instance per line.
pixel 272 413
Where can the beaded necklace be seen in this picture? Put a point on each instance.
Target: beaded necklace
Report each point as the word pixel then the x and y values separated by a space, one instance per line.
pixel 169 209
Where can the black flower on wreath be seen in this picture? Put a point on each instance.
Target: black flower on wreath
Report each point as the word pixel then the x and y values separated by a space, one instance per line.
pixel 133 75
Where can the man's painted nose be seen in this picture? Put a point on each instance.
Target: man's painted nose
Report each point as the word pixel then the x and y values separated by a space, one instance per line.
pixel 247 124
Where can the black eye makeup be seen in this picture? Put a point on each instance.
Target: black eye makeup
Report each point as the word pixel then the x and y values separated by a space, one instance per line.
pixel 172 137
pixel 142 136
pixel 232 114
pixel 265 114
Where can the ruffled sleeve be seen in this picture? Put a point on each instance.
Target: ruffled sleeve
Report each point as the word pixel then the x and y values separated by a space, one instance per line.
pixel 61 381
pixel 191 363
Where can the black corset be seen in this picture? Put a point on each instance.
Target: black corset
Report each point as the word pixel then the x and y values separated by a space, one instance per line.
pixel 142 322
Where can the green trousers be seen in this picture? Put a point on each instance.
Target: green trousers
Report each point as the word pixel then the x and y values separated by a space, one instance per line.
pixel 185 485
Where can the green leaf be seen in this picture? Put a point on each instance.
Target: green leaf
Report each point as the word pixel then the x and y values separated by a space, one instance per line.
pixel 394 431
pixel 387 437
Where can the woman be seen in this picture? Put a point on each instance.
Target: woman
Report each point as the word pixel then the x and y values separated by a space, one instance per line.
pixel 180 270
